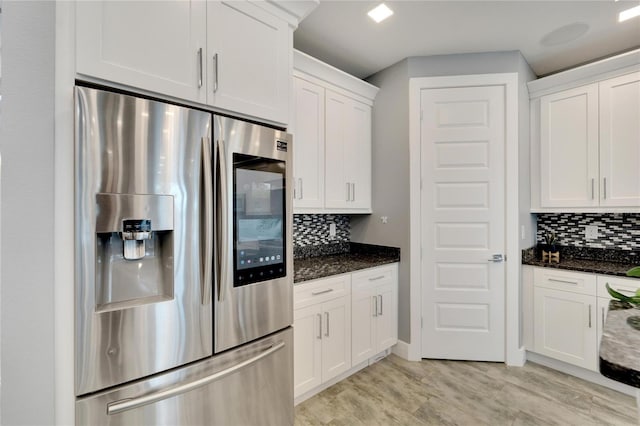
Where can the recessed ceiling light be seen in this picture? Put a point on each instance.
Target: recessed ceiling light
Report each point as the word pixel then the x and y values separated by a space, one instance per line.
pixel 380 13
pixel 629 13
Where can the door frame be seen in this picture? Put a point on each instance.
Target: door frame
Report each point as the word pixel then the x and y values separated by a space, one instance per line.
pixel 514 350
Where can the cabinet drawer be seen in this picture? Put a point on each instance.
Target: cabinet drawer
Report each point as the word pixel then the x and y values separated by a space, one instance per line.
pixel 362 280
pixel 575 282
pixel 321 290
pixel 626 286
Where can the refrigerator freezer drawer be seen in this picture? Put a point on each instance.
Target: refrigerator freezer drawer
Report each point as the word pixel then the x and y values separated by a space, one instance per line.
pixel 250 385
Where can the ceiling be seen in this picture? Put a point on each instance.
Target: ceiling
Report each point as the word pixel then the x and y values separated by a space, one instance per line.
pixel 340 32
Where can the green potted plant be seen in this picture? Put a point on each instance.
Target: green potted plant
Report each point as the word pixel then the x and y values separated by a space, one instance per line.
pixel 635 299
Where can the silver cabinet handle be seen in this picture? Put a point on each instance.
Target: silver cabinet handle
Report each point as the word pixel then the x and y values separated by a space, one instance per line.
pixel 589 316
pixel 200 68
pixel 353 191
pixel 316 293
pixel 301 193
pixel 375 306
pixel 496 258
pixel 131 403
pixel 348 192
pixel 215 73
pixel 593 193
pixel 604 187
pixel 223 224
pixel 381 311
pixel 376 278
pixel 557 280
pixel 319 326
pixel 208 221
pixel 326 333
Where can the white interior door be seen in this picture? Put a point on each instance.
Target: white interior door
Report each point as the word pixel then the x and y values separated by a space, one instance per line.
pixel 463 222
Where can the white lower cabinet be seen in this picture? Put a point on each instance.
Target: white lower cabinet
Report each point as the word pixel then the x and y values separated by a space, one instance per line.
pixel 565 326
pixel 340 322
pixel 321 331
pixel 569 313
pixel 374 312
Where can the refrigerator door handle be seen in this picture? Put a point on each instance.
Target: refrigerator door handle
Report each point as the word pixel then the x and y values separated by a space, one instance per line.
pixel 223 249
pixel 208 220
pixel 132 403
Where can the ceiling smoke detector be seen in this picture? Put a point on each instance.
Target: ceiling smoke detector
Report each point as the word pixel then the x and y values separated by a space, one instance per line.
pixel 565 34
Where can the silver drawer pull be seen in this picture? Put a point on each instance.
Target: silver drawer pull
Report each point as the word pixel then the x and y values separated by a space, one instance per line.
pixel 563 281
pixel 316 293
pixel 376 278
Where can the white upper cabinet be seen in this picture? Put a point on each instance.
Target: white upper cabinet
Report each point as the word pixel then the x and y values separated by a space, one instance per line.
pixel 569 147
pixel 157 46
pixel 585 138
pixel 235 56
pixel 620 141
pixel 348 153
pixel 308 153
pixel 332 139
pixel 249 60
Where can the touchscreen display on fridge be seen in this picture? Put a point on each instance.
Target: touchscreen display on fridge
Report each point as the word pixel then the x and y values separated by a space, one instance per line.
pixel 259 219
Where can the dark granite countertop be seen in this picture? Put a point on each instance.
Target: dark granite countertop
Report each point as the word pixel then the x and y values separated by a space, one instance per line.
pixel 599 261
pixel 620 345
pixel 360 256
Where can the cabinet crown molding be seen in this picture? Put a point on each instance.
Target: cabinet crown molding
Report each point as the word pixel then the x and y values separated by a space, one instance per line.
pixel 589 73
pixel 296 9
pixel 332 75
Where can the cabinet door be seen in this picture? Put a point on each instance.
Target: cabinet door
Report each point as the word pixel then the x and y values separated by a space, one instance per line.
pixel 387 317
pixel 307 349
pixel 308 145
pixel 363 315
pixel 358 155
pixel 336 337
pixel 337 190
pixel 348 154
pixel 569 148
pixel 153 45
pixel 249 58
pixel 565 327
pixel 620 141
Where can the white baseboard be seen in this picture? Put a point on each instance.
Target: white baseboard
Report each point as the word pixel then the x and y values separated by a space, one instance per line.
pixel 588 375
pixel 517 358
pixel 405 351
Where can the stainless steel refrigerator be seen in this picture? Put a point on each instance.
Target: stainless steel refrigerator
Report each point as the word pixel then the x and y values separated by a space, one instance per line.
pixel 183 266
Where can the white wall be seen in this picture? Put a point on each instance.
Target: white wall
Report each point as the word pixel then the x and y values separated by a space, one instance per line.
pixel 391 152
pixel 27 146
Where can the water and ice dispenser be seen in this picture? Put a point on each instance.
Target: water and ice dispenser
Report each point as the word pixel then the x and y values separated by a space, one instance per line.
pixel 134 249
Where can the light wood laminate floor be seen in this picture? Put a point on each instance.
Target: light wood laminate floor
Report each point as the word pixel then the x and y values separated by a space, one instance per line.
pixel 433 392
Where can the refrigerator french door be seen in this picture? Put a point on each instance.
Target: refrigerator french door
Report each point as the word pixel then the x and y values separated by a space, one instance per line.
pixel 143 226
pixel 253 289
pixel 183 266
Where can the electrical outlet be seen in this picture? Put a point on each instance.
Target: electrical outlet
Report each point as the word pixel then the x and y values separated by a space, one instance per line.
pixel 332 230
pixel 384 219
pixel 591 232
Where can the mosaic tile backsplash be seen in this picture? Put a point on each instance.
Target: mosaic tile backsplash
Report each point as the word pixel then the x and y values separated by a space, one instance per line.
pixel 311 234
pixel 615 231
